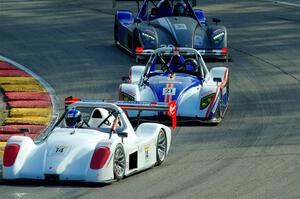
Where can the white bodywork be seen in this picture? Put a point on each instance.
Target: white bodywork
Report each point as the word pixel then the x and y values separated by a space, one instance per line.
pixel 67 152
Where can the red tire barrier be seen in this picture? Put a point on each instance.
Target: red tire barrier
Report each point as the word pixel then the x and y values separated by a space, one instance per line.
pixel 29 104
pixel 16 129
pixel 11 96
pixel 13 73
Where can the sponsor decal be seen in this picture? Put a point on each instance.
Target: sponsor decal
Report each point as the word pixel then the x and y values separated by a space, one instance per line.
pixel 127 97
pixel 129 92
pixel 105 143
pixel 146 149
pixel 180 26
pixel 172 113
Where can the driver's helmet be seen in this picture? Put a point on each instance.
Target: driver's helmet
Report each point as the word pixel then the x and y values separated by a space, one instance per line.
pixel 165 8
pixel 73 118
pixel 179 9
pixel 176 62
pixel 190 64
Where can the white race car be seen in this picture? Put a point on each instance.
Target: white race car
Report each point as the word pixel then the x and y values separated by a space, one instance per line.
pixel 179 74
pixel 104 148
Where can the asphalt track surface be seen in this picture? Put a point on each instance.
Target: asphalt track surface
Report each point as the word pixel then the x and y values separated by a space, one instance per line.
pixel 254 153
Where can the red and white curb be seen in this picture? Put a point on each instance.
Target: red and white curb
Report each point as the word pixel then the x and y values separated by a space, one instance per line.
pixel 30 102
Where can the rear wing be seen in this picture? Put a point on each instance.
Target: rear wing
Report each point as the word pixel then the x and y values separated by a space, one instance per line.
pixel 170 50
pixel 170 107
pixel 166 50
pixel 193 2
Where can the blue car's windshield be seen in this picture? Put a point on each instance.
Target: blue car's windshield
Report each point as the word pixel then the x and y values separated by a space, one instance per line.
pixel 173 63
pixel 151 9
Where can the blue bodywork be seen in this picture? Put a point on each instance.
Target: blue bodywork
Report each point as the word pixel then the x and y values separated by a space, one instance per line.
pixel 182 82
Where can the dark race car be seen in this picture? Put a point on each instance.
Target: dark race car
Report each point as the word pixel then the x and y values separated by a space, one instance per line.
pixel 167 24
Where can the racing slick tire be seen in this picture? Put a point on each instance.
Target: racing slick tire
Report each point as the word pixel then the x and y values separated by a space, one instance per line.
pixel 119 162
pixel 161 147
pixel 217 118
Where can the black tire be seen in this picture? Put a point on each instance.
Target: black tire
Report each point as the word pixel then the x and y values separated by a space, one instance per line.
pixel 227 90
pixel 119 162
pixel 116 30
pixel 161 147
pixel 135 41
pixel 217 118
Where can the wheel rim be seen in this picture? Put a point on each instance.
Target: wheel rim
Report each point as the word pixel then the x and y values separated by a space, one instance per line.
pixel 119 162
pixel 161 146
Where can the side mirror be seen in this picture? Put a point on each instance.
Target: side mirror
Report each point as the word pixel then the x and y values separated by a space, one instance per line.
pixel 122 134
pixel 217 79
pixel 216 20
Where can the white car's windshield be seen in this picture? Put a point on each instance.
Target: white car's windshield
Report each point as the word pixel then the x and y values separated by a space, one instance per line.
pixel 88 117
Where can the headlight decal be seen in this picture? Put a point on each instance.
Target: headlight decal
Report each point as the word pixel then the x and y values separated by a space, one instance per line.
pixel 126 97
pixel 217 36
pixel 205 101
pixel 148 36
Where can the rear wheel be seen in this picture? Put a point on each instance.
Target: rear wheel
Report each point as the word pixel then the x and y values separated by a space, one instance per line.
pixel 136 41
pixel 119 162
pixel 116 30
pixel 161 147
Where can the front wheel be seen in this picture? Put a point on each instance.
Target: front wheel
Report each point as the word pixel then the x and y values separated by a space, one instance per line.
pixel 119 162
pixel 217 118
pixel 116 32
pixel 161 147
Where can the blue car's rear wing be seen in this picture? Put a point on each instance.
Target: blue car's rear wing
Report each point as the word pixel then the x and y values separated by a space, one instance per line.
pixel 193 1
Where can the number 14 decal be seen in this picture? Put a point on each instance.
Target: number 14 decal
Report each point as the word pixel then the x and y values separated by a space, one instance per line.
pixel 60 149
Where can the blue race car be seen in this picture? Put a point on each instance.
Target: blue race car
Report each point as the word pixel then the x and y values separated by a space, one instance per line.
pixel 179 74
pixel 169 23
